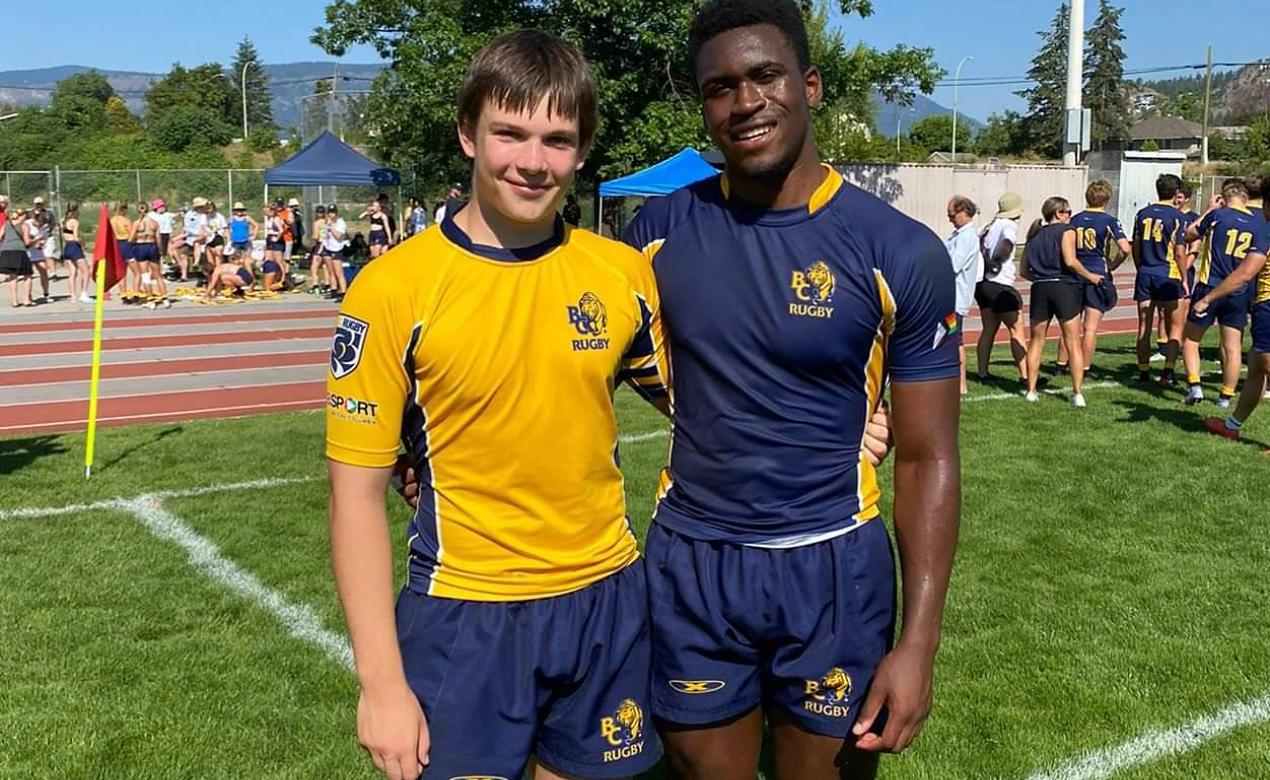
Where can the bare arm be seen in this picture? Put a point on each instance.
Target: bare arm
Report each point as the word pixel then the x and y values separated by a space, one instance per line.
pixel 1003 251
pixel 927 515
pixel 1126 249
pixel 390 721
pixel 1137 250
pixel 1244 273
pixel 1182 258
pixel 1071 261
pixel 253 228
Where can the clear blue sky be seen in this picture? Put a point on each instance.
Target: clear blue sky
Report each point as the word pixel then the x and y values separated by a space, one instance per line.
pixel 999 34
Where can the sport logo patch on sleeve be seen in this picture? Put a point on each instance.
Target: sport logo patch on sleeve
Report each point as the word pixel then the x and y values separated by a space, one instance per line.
pixel 346 349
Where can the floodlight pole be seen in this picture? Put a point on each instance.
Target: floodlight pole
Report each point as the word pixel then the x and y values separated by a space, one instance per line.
pixel 243 84
pixel 956 84
pixel 1075 78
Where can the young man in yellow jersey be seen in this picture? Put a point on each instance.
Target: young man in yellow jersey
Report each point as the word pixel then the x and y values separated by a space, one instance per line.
pixel 491 345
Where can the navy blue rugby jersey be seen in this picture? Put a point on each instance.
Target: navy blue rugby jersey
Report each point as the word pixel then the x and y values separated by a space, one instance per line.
pixel 1159 227
pixel 1096 232
pixel 784 326
pixel 1229 232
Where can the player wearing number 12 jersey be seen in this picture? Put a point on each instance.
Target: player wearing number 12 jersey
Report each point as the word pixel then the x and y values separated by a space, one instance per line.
pixel 1229 230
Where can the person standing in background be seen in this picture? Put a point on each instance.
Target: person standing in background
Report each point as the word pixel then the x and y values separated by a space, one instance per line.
pixel 967 263
pixel 15 263
pixel 999 301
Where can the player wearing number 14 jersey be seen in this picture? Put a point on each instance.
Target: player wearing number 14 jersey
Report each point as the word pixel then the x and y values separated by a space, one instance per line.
pixel 1159 251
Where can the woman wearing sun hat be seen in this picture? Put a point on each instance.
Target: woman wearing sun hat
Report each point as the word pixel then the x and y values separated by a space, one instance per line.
pixel 998 297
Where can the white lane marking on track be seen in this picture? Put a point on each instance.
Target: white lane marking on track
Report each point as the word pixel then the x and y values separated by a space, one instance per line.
pixel 1155 745
pixel 299 405
pixel 122 502
pixel 1019 395
pixel 300 620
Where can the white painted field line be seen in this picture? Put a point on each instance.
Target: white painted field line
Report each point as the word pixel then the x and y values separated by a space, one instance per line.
pixel 300 620
pixel 1063 391
pixel 631 438
pixel 122 502
pixel 1155 745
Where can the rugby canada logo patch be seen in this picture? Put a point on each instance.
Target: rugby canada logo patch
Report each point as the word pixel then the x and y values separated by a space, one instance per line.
pixel 346 349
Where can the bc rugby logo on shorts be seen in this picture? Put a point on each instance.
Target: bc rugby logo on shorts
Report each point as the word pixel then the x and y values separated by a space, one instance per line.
pixel 624 731
pixel 830 694
pixel 813 288
pixel 591 320
pixel 696 686
pixel 346 350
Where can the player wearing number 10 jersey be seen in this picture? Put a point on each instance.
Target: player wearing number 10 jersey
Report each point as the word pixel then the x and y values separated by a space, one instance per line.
pixel 1096 232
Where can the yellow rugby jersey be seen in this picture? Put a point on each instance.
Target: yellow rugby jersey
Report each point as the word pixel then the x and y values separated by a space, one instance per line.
pixel 496 370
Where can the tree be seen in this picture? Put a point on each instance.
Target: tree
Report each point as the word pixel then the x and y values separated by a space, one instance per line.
pixel 259 109
pixel 934 133
pixel 1105 93
pixel 205 86
pixel 187 126
pixel 1046 98
pixel 79 101
pixel 1004 134
pixel 119 119
pixel 636 49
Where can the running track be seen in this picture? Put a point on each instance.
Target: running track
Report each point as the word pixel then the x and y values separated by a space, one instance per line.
pixel 192 362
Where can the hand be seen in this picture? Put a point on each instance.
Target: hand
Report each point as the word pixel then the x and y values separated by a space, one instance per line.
pixel 902 684
pixel 1216 201
pixel 392 729
pixel 877 436
pixel 1200 306
pixel 1095 279
pixel 405 482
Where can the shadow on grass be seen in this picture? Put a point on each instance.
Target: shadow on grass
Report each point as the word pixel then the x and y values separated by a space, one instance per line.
pixel 158 437
pixel 1183 418
pixel 18 453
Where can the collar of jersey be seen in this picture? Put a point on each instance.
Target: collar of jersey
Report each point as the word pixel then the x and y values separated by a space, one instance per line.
pixel 1240 209
pixel 825 194
pixel 1096 209
pixel 522 254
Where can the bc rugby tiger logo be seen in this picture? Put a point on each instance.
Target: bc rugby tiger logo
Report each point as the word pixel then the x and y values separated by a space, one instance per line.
pixel 624 731
pixel 813 288
pixel 830 694
pixel 591 320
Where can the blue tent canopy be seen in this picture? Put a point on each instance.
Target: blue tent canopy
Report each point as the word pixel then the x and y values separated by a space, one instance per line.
pixel 663 178
pixel 329 161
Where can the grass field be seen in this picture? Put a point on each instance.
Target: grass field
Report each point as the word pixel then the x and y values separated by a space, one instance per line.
pixel 1111 582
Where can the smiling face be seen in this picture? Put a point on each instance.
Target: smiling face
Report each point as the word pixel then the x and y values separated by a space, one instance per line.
pixel 523 162
pixel 756 101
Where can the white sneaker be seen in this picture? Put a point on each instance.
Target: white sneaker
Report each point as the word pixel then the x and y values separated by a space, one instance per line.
pixel 1194 395
pixel 86 298
pixel 167 304
pixel 1032 397
pixel 1223 403
pixel 1156 357
pixel 1078 400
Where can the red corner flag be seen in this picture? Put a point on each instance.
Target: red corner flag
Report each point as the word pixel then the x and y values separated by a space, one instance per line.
pixel 107 251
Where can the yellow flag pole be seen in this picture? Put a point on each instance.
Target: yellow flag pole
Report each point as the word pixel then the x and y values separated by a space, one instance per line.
pixel 96 377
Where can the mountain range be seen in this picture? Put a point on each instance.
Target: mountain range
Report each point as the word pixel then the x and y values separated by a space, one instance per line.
pixel 290 81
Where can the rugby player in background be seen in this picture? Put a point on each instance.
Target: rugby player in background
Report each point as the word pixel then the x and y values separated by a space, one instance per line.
pixel 1253 270
pixel 1159 252
pixel 1096 233
pixel 1231 229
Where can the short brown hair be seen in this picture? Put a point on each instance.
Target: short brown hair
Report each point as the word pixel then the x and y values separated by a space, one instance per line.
pixel 517 70
pixel 962 205
pixel 1098 193
pixel 1234 188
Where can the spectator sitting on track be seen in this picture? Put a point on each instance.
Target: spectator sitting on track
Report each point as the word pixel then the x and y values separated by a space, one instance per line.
pixel 230 275
pixel 999 301
pixel 194 224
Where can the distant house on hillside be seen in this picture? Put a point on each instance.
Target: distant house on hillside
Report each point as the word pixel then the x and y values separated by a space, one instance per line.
pixel 1170 134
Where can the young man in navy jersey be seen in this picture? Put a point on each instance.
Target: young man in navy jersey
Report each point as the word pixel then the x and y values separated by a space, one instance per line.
pixel 1231 228
pixel 771 577
pixel 1159 252
pixel 1096 233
